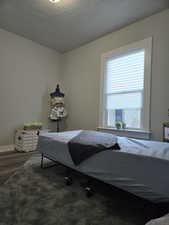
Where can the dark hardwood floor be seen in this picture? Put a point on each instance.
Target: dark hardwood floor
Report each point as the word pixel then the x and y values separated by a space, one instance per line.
pixel 10 162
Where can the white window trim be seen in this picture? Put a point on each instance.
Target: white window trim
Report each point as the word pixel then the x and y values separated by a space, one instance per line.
pixel 143 44
pixel 141 134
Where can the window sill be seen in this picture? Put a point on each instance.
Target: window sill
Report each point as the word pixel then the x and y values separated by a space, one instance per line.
pixel 141 134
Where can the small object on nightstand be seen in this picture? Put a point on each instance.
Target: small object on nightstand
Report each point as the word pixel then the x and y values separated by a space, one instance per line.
pixel 32 126
pixel 166 132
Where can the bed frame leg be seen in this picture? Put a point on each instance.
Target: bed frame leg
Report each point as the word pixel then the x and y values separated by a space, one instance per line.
pixel 42 161
pixel 68 178
pixel 89 191
pixel 87 186
pixel 47 166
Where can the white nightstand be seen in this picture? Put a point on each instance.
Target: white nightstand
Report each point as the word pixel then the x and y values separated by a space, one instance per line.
pixel 27 140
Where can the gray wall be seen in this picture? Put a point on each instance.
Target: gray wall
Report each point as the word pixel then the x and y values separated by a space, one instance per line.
pixel 81 73
pixel 28 72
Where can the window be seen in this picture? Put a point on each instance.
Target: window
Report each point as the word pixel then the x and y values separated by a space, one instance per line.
pixel 125 86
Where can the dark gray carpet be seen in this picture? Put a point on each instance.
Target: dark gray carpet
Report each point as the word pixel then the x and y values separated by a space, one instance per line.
pixel 10 162
pixel 33 196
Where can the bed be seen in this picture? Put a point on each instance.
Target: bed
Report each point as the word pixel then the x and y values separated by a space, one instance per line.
pixel 139 167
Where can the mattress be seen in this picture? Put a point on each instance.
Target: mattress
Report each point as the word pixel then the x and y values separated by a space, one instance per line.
pixel 140 167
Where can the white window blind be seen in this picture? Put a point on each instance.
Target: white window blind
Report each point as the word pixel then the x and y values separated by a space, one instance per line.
pixel 124 101
pixel 125 73
pixel 125 86
pixel 124 89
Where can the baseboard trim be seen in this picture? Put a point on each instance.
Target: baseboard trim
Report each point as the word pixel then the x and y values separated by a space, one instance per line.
pixel 7 148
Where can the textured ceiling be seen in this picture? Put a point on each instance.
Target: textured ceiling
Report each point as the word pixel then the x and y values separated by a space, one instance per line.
pixel 71 23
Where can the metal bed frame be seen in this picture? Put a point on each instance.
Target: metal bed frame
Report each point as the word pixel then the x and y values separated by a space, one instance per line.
pixel 68 178
pixel 87 186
